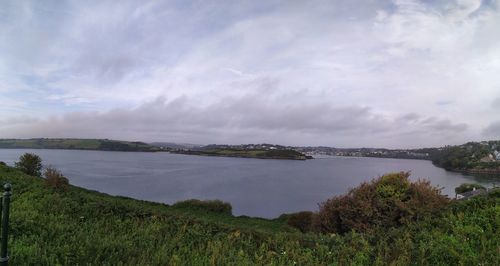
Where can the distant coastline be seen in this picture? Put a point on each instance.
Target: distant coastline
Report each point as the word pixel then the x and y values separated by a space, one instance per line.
pixel 265 152
pixel 77 144
pixel 472 157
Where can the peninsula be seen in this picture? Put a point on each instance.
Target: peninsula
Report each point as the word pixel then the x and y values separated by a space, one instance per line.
pixel 285 154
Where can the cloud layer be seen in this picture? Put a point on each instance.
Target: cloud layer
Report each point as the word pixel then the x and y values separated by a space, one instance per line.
pixel 347 73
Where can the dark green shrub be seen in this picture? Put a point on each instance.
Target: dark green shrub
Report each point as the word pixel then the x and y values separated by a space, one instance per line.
pixel 300 220
pixel 30 164
pixel 55 179
pixel 3 163
pixel 465 187
pixel 217 206
pixel 495 192
pixel 388 201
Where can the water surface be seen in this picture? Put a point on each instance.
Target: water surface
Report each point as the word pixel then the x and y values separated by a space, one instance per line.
pixel 254 187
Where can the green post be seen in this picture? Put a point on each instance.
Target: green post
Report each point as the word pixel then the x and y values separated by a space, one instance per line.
pixel 4 256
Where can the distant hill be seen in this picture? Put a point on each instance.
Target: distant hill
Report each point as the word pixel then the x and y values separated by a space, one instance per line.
pixel 76 144
pixel 473 157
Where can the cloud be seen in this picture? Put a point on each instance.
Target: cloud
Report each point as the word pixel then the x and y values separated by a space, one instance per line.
pixel 342 73
pixel 496 103
pixel 443 125
pixel 492 130
pixel 232 120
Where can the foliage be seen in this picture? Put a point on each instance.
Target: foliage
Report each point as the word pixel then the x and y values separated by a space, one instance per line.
pixel 467 156
pixel 216 206
pixel 3 163
pixel 55 179
pixel 300 220
pixel 82 227
pixel 113 145
pixel 388 201
pixel 30 164
pixel 465 187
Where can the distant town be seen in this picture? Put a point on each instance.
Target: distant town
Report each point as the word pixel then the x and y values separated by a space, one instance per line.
pixel 473 157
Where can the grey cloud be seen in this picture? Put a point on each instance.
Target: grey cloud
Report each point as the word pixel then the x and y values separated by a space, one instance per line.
pixel 496 103
pixel 246 119
pixel 18 120
pixel 443 125
pixel 432 125
pixel 409 118
pixel 492 130
pixel 444 102
pixel 374 71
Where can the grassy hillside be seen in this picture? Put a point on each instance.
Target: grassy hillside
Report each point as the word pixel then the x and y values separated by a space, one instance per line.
pixel 76 144
pixel 254 153
pixel 81 227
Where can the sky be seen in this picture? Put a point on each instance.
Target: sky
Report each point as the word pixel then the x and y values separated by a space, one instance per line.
pixel 345 73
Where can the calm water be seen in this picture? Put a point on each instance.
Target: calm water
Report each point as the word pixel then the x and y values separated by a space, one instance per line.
pixel 265 188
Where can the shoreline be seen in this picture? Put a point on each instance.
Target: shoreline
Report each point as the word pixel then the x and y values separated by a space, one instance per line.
pixel 494 172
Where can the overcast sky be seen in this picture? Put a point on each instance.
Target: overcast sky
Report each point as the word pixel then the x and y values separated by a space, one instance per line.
pixel 337 73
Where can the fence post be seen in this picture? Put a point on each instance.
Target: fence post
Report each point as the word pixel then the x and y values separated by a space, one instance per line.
pixel 4 256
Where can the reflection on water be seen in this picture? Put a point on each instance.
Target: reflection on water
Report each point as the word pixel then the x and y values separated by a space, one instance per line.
pixel 265 188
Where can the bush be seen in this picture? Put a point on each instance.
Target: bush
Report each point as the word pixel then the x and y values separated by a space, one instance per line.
pixel 206 205
pixel 301 220
pixel 2 163
pixel 55 179
pixel 465 187
pixel 388 201
pixel 30 164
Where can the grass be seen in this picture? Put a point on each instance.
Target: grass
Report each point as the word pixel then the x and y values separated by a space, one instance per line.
pixel 83 227
pixel 78 144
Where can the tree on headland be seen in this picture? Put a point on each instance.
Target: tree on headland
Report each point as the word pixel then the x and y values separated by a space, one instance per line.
pixel 30 164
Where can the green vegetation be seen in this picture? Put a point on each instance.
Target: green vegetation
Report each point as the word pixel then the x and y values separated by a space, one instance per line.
pixel 388 201
pixel 300 220
pixel 55 179
pixel 466 187
pixel 76 226
pixel 30 164
pixel 478 157
pixel 248 153
pixel 215 206
pixel 76 144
